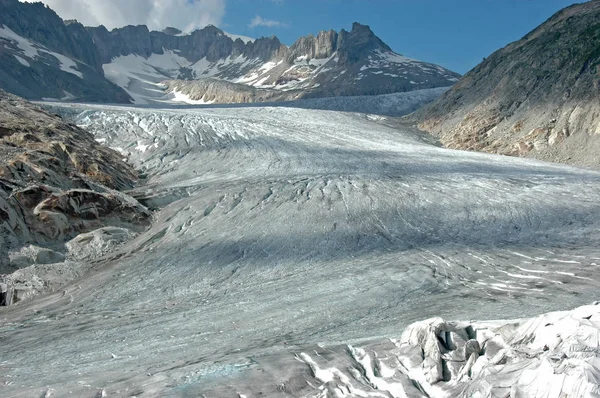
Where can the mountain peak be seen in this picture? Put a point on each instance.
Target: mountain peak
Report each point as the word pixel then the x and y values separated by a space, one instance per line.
pixel 358 27
pixel 140 29
pixel 171 31
pixel 358 42
pixel 211 28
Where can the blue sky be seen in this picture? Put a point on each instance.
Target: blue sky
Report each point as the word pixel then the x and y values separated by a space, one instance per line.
pixel 456 34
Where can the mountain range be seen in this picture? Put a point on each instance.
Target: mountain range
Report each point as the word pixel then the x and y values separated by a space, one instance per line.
pixel 44 57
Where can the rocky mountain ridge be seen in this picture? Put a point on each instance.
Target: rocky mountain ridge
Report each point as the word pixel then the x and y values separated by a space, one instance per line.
pixel 146 64
pixel 537 97
pixel 44 57
pixel 210 43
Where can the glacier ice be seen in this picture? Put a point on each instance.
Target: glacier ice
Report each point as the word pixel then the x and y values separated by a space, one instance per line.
pixel 291 247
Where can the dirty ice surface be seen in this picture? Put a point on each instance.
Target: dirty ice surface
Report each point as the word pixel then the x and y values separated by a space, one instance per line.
pixel 280 232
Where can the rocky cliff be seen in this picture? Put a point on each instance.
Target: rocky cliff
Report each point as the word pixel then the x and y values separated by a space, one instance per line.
pixel 56 182
pixel 210 43
pixel 537 97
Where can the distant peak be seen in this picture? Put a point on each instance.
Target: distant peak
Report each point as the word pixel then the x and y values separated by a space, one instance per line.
pixel 172 31
pixel 212 28
pixel 353 45
pixel 134 28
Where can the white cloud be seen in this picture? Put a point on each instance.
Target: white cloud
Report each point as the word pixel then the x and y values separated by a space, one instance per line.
pixel 186 15
pixel 260 21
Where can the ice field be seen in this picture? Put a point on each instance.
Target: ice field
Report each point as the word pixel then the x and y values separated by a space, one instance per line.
pixel 280 236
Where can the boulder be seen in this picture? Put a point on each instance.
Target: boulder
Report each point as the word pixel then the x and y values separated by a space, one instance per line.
pixel 31 254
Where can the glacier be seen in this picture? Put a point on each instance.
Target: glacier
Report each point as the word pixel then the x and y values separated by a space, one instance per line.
pixel 291 248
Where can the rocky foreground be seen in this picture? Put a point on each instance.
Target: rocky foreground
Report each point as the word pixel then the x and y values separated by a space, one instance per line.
pixel 60 200
pixel 537 97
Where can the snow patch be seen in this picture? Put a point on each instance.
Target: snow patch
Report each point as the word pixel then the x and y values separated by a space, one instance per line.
pixel 22 61
pixel 26 46
pixel 181 97
pixel 33 50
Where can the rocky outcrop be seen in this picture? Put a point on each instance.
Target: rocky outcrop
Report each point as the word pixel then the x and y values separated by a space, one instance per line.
pixel 537 97
pixel 357 42
pixel 56 182
pixel 41 147
pixel 210 43
pixel 321 46
pixel 171 31
pixel 213 91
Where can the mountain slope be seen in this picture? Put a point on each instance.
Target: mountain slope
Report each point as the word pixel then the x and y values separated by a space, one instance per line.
pixel 42 56
pixel 537 97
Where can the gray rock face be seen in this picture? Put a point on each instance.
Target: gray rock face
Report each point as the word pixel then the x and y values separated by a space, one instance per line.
pixel 359 41
pixel 223 92
pixel 321 46
pixel 537 97
pixel 172 31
